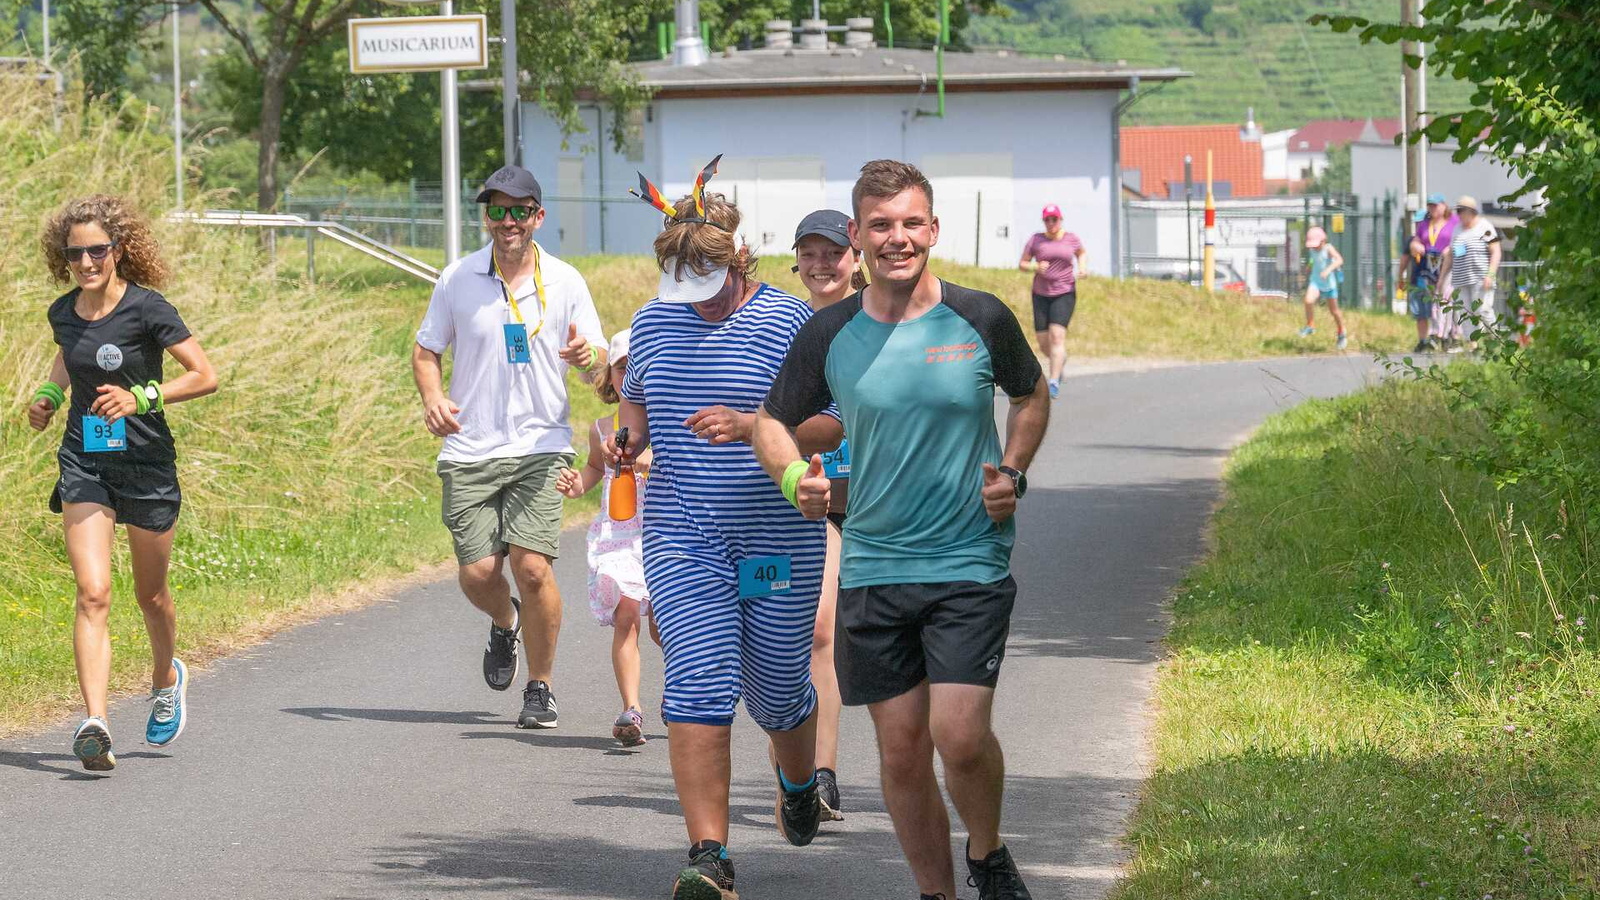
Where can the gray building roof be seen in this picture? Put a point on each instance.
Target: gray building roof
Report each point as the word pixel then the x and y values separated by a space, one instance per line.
pixel 880 70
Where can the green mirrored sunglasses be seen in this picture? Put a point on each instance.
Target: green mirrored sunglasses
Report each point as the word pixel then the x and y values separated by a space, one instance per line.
pixel 518 213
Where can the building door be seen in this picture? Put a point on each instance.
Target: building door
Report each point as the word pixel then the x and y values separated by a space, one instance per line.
pixel 572 220
pixel 973 199
pixel 773 193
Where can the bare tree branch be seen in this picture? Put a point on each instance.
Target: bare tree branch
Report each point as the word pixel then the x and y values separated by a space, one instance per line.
pixel 234 31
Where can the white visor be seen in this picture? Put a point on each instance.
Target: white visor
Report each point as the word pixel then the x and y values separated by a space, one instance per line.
pixel 692 288
pixel 618 349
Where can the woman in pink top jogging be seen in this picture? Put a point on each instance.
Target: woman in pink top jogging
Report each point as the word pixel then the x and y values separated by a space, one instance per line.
pixel 1055 256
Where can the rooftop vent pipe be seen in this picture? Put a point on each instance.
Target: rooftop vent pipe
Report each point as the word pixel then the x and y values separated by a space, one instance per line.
pixel 688 49
pixel 780 35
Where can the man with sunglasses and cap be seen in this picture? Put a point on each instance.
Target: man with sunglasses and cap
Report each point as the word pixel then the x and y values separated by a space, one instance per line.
pixel 517 319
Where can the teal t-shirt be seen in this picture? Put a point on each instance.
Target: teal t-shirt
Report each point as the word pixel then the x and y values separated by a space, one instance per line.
pixel 917 400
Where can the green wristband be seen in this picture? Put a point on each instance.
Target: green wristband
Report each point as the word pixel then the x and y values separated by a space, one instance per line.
pixel 141 403
pixel 160 402
pixel 791 480
pixel 52 392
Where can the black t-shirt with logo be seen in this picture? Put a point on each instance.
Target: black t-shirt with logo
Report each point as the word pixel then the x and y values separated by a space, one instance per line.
pixel 125 349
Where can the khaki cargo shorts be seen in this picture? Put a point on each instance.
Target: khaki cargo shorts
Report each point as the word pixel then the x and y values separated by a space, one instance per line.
pixel 492 504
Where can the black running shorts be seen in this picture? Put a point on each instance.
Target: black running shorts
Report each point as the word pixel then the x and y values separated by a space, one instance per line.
pixel 892 637
pixel 1055 310
pixel 142 494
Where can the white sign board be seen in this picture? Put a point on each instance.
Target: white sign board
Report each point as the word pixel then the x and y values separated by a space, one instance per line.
pixel 419 43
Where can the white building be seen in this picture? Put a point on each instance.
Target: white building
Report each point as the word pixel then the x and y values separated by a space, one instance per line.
pixel 1377 168
pixel 794 127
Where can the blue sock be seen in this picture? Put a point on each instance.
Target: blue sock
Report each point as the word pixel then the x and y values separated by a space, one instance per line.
pixel 791 787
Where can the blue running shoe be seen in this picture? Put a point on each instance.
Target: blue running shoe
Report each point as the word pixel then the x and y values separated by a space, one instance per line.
pixel 1055 389
pixel 91 744
pixel 1307 331
pixel 169 709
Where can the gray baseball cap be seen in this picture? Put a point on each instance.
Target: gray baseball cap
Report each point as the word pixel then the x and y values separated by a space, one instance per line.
pixel 829 223
pixel 513 181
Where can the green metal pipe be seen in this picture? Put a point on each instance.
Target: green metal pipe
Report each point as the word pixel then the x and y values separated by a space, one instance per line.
pixel 888 25
pixel 661 40
pixel 944 38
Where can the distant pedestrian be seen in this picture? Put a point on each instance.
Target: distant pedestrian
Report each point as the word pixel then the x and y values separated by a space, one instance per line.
pixel 117 456
pixel 1468 274
pixel 830 269
pixel 618 596
pixel 1056 257
pixel 1419 273
pixel 518 319
pixel 1323 283
pixel 1437 229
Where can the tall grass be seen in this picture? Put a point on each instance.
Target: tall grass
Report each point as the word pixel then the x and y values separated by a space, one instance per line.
pixel 1382 684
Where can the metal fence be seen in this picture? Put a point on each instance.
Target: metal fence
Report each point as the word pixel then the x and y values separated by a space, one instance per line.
pixel 1262 244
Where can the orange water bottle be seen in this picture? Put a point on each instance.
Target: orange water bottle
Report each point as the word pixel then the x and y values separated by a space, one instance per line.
pixel 624 490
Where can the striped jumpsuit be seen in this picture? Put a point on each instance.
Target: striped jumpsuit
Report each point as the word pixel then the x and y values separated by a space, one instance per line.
pixel 710 506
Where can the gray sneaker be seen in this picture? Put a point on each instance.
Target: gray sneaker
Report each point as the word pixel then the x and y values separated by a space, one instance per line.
pixel 538 707
pixel 500 657
pixel 91 744
pixel 629 727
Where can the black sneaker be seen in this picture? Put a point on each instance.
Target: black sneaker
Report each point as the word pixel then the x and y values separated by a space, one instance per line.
pixel 1422 347
pixel 828 788
pixel 538 706
pixel 500 657
pixel 997 878
pixel 798 813
pixel 709 875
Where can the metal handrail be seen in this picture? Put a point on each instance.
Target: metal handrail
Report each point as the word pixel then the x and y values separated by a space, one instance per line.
pixel 336 231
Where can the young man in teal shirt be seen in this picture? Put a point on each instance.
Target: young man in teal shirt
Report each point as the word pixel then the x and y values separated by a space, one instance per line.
pixel 925 588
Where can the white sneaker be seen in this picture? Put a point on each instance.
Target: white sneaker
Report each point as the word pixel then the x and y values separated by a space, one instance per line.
pixel 91 744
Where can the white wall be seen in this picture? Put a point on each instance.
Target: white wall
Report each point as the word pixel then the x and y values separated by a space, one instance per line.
pixel 787 156
pixel 1378 168
pixel 1275 156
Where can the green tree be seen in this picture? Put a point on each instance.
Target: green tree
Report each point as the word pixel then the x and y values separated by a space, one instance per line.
pixel 1536 64
pixel 1335 179
pixel 105 37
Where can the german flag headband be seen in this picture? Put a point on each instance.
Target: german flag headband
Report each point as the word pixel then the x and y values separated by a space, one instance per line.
pixel 652 195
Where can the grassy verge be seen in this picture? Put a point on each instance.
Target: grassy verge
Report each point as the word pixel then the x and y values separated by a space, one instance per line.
pixel 1380 684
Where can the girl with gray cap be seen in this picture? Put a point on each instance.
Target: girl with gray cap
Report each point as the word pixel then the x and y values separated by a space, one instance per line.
pixel 830 270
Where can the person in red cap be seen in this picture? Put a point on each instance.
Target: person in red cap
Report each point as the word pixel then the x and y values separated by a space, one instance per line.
pixel 1055 256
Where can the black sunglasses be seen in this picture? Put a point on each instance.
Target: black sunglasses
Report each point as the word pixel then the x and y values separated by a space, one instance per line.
pixel 517 213
pixel 95 251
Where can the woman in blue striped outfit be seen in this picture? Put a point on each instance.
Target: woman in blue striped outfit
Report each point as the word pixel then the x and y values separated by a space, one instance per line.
pixel 734 570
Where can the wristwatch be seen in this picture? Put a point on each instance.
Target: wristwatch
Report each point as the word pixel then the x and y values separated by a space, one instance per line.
pixel 1019 479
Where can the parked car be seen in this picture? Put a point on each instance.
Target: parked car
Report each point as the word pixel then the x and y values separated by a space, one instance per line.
pixel 1226 276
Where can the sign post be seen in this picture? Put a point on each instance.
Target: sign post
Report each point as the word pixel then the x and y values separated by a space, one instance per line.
pixel 443 44
pixel 1208 276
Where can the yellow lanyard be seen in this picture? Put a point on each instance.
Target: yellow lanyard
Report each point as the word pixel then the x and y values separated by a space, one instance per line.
pixel 1433 233
pixel 538 288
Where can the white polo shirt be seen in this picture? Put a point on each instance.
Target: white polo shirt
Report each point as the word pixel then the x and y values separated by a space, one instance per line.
pixel 507 409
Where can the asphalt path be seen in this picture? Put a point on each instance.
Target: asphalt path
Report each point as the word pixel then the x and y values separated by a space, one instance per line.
pixel 362 756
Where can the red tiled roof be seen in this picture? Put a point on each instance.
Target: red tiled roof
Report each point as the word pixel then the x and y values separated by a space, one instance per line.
pixel 1318 136
pixel 1157 153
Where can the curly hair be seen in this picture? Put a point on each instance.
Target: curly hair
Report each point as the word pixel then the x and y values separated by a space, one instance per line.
pixel 702 247
pixel 137 254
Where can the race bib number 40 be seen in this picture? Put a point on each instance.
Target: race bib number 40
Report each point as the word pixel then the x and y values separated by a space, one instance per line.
pixel 100 436
pixel 763 576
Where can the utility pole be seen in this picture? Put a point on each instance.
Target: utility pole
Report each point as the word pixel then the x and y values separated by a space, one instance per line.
pixel 177 109
pixel 452 155
pixel 509 87
pixel 46 10
pixel 1188 215
pixel 1413 118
